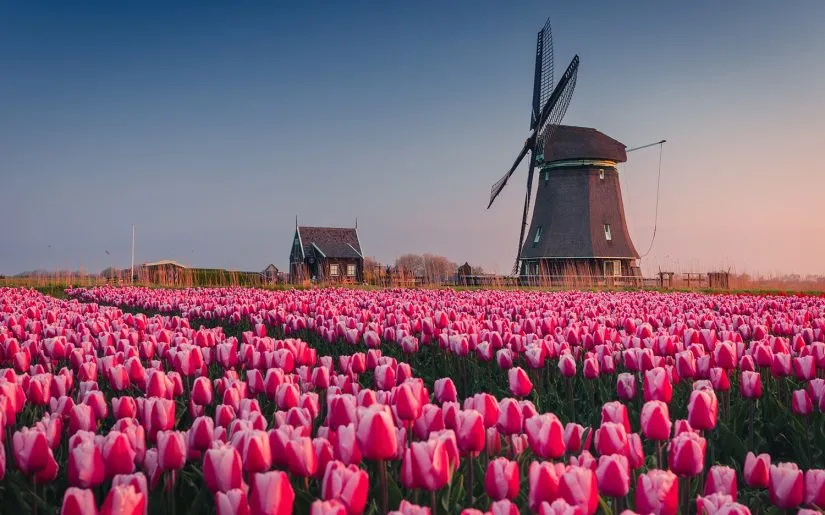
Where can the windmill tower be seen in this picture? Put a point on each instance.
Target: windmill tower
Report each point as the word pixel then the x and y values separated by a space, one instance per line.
pixel 578 224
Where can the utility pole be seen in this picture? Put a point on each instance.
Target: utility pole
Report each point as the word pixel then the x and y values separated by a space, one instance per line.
pixel 132 277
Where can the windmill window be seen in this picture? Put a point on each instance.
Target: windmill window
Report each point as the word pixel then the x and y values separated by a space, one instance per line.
pixel 601 174
pixel 607 235
pixel 537 237
pixel 333 269
pixel 546 177
pixel 351 270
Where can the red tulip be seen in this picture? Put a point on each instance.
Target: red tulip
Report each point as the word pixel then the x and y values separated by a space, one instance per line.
pixel 431 419
pixel 626 386
pixel 545 434
pixel 501 481
pixel 171 450
pixel 613 475
pixel 801 403
pixel 445 390
pixel 233 502
pixel 272 494
pixel 657 386
pixel 376 435
pixel 750 385
pixel 721 480
pixel 611 438
pixel 703 408
pixel 124 500
pixel 124 407
pixel 427 464
pixel 137 481
pixel 657 492
pixel 757 470
pixel 686 454
pixel 520 384
pixel 543 478
pixel 300 457
pixel 616 412
pixel 33 456
pixel 573 434
pixel 77 501
pixel 635 453
pixel 804 368
pixel 118 454
pixel 407 403
pixel 347 484
pixel 222 469
pixel 510 418
pixel 578 487
pixel 319 507
pixel 470 432
pixel 814 483
pixel 655 420
pixel 785 486
pixel 202 391
pixel 567 365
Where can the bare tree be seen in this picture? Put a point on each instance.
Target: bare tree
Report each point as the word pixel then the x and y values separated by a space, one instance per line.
pixel 411 265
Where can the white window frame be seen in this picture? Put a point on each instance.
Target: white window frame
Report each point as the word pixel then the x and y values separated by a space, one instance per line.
pixel 601 173
pixel 608 235
pixel 350 270
pixel 537 237
pixel 333 269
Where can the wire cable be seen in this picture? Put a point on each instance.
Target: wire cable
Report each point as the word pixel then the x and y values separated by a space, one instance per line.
pixel 656 215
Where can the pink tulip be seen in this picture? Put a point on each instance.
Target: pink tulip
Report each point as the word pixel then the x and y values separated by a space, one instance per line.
pixel 233 502
pixel 801 403
pixel 785 486
pixel 501 481
pixel 626 386
pixel 124 500
pixel 567 365
pixel 428 465
pixel 222 469
pixel 510 418
pixel 655 420
pixel 750 385
pixel 657 492
pixel 657 386
pixel 613 475
pixel 78 501
pixel 703 409
pixel 271 494
pixel 470 432
pixel 814 486
pixel 578 487
pixel 721 480
pixel 543 479
pixel 611 438
pixel 686 454
pixel 520 384
pixel 757 470
pixel 445 390
pixel 376 435
pixel 346 484
pixel 545 435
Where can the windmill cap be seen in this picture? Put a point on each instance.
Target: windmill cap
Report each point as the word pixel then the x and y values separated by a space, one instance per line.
pixel 569 142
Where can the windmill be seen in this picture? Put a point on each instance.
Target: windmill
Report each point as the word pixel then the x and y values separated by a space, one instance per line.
pixel 549 105
pixel 578 224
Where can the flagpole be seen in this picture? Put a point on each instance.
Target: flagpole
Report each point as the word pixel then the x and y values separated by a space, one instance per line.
pixel 132 277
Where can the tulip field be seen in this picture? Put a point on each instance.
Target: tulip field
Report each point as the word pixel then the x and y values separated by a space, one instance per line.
pixel 342 401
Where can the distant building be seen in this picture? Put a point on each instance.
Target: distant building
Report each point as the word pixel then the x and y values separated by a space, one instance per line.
pixel 270 274
pixel 165 271
pixel 326 254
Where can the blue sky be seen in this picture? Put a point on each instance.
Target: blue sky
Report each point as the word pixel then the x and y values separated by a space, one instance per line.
pixel 210 125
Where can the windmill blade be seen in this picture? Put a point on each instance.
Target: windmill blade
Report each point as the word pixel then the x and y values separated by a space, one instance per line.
pixel 564 88
pixel 527 197
pixel 499 185
pixel 557 112
pixel 543 75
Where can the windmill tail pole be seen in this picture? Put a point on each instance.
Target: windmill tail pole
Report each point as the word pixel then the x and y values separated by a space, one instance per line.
pixel 645 146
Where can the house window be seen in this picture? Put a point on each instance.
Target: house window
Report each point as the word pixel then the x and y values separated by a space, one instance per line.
pixel 607 235
pixel 333 269
pixel 351 270
pixel 537 237
pixel 601 174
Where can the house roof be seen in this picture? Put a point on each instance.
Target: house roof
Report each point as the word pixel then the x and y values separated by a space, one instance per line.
pixel 271 267
pixel 164 262
pixel 331 242
pixel 570 142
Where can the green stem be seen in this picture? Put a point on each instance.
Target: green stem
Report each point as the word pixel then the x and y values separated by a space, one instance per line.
pixel 382 472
